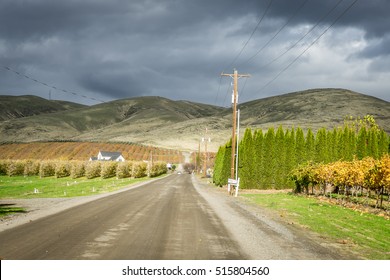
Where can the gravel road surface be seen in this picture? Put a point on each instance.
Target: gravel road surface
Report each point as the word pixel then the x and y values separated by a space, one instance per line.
pixel 176 217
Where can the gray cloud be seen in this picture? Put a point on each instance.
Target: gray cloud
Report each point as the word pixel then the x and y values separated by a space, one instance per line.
pixel 177 49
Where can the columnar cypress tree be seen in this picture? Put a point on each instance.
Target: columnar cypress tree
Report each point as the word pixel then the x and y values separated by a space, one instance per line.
pixel 383 143
pixel 246 163
pixel 258 159
pixel 321 153
pixel 280 158
pixel 222 164
pixel 349 143
pixel 361 143
pixel 290 160
pixel 352 143
pixel 300 152
pixel 331 142
pixel 266 159
pixel 373 143
pixel 309 145
pixel 226 165
pixel 218 163
pixel 269 158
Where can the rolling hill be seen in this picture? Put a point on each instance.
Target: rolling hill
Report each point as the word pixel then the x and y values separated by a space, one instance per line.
pixel 181 124
pixel 13 107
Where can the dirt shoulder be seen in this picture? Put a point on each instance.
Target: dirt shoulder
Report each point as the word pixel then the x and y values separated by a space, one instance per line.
pixel 263 234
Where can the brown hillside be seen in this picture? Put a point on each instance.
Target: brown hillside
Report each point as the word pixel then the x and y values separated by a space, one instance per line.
pixel 85 150
pixel 180 125
pixel 13 107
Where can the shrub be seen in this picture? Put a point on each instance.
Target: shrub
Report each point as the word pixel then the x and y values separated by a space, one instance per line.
pixel 47 169
pixel 124 169
pixel 77 169
pixel 16 168
pixel 108 169
pixel 62 169
pixel 139 169
pixel 92 169
pixel 4 167
pixel 31 168
pixel 158 168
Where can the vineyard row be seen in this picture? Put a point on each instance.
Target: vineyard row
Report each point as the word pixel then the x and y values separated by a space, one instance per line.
pixel 355 177
pixel 85 150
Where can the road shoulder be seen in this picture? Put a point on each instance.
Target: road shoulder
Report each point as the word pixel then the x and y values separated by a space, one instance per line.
pixel 263 234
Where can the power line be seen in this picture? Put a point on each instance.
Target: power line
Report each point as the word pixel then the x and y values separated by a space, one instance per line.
pixel 304 36
pixel 315 41
pixel 51 86
pixel 250 37
pixel 277 33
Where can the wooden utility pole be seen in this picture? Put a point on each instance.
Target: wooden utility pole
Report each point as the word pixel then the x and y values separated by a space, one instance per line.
pixel 235 77
pixel 205 140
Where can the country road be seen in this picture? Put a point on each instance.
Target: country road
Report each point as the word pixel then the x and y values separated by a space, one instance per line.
pixel 176 217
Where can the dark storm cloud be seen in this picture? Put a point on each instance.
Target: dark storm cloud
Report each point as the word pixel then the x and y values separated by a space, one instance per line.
pixel 177 49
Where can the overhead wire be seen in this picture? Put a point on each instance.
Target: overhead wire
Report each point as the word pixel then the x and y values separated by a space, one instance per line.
pixel 305 35
pixel 250 37
pixel 273 37
pixel 52 86
pixel 277 33
pixel 307 48
pixel 244 46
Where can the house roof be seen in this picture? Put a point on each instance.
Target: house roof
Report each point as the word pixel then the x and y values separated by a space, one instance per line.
pixel 111 155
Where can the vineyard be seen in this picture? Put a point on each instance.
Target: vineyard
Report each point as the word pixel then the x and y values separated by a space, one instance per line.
pixel 266 160
pixel 352 180
pixel 85 150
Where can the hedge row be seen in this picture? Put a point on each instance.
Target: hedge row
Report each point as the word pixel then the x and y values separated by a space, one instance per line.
pixel 76 169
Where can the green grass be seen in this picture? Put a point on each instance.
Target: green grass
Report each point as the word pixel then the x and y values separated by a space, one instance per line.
pixel 23 187
pixel 368 234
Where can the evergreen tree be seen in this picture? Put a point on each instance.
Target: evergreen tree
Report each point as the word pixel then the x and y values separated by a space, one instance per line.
pixel 226 165
pixel 309 146
pixel 331 140
pixel 340 144
pixel 258 159
pixel 361 145
pixel 218 163
pixel 222 164
pixel 290 160
pixel 280 158
pixel 373 143
pixel 246 163
pixel 383 143
pixel 352 144
pixel 269 158
pixel 321 152
pixel 300 152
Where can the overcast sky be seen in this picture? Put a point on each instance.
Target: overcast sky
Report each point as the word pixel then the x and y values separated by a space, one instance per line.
pixel 113 49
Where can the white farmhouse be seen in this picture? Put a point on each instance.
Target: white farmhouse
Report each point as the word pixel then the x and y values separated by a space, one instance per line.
pixel 108 156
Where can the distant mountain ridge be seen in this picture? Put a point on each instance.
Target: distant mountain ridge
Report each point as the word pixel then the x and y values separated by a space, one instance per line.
pixel 181 124
pixel 13 107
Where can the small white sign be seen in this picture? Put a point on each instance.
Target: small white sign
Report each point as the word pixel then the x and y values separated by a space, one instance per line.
pixel 232 181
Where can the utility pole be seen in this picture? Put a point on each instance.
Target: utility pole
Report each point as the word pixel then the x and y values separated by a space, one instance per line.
pixel 197 159
pixel 235 77
pixel 205 139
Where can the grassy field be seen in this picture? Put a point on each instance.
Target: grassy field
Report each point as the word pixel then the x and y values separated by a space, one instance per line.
pixel 35 187
pixel 367 234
